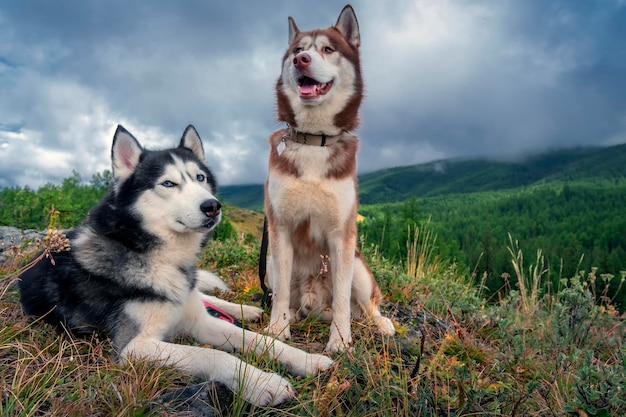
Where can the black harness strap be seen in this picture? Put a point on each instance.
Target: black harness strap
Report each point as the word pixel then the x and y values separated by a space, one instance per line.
pixel 266 300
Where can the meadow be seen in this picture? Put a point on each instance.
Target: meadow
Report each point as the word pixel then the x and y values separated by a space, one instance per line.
pixel 506 301
pixel 535 351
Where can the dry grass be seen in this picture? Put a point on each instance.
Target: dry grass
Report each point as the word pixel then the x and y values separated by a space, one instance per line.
pixel 44 371
pixel 453 356
pixel 245 221
pixel 422 261
pixel 530 283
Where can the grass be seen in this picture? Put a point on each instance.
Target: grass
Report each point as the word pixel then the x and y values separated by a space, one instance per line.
pixel 532 353
pixel 244 221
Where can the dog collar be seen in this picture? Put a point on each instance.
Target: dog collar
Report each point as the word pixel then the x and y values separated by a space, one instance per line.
pixel 311 139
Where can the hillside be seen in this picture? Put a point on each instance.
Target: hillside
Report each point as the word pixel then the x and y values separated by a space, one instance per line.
pixel 454 353
pixel 484 326
pixel 244 221
pixel 456 176
pixel 246 196
pixel 468 176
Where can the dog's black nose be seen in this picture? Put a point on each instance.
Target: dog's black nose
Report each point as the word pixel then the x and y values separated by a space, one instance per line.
pixel 211 207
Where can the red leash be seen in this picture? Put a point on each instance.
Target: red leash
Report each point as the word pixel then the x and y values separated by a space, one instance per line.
pixel 221 314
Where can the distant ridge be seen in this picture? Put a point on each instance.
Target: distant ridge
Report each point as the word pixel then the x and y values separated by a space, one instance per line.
pixel 454 176
pixel 245 196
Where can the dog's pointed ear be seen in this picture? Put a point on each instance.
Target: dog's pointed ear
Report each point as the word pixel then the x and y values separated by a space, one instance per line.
pixel 191 140
pixel 125 153
pixel 348 26
pixel 293 29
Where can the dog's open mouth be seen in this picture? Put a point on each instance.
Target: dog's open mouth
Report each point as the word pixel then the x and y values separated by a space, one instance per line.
pixel 310 88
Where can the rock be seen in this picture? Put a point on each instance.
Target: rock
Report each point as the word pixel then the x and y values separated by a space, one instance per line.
pixel 200 400
pixel 12 236
pixel 416 319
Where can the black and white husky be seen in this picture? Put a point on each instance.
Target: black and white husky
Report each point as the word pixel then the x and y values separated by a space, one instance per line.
pixel 130 273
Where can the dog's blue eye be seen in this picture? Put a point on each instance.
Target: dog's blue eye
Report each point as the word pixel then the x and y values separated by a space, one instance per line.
pixel 200 177
pixel 168 184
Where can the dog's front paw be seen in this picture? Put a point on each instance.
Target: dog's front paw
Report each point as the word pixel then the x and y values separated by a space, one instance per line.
pixel 251 313
pixel 279 325
pixel 301 363
pixel 208 282
pixel 263 388
pixel 385 326
pixel 337 345
pixel 280 330
pixel 315 363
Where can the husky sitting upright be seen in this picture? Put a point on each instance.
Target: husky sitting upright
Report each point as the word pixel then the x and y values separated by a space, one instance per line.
pixel 311 187
pixel 131 274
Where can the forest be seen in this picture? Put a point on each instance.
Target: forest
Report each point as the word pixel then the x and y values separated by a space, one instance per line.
pixel 570 203
pixel 578 225
pixel 25 208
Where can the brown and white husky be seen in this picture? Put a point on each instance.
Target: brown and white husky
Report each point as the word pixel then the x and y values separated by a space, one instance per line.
pixel 311 188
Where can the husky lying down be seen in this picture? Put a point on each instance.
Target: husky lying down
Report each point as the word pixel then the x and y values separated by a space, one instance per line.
pixel 130 273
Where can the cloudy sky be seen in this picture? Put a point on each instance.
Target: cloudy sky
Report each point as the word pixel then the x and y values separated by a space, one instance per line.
pixel 445 78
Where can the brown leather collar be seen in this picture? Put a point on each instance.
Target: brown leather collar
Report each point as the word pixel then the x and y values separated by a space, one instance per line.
pixel 311 139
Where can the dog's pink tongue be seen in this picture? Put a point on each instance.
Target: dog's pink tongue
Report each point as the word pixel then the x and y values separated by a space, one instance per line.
pixel 308 90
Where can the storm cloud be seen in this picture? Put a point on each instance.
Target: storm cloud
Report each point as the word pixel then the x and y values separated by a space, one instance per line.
pixel 444 79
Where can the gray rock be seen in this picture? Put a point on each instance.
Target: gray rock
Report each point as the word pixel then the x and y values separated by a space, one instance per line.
pixel 200 400
pixel 12 236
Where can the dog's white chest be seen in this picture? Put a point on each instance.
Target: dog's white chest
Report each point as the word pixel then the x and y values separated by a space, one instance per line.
pixel 326 203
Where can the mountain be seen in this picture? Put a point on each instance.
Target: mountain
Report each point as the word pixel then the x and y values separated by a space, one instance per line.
pixel 455 176
pixel 246 196
pixel 477 175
